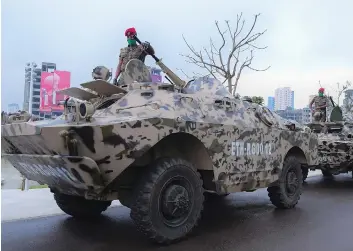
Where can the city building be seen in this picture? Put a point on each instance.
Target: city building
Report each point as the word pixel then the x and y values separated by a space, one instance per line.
pixel 31 96
pixel 12 108
pixel 271 103
pixel 306 115
pixel 284 98
pixel 31 99
pixel 291 114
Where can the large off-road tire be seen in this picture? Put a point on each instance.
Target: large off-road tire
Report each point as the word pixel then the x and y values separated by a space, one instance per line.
pixel 169 200
pixel 80 207
pixel 305 172
pixel 285 193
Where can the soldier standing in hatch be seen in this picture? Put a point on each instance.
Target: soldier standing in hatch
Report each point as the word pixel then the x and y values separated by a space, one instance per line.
pixel 321 102
pixel 132 51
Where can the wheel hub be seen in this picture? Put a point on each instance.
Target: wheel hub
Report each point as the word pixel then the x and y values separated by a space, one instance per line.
pixel 292 183
pixel 176 201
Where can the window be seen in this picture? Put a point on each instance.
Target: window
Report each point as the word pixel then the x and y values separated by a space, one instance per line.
pixel 35 99
pixel 35 106
pixel 36 92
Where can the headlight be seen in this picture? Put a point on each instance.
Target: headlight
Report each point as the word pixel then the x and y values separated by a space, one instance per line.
pixel 86 110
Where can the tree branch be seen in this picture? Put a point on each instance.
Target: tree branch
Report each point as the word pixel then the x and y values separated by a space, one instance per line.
pixel 212 59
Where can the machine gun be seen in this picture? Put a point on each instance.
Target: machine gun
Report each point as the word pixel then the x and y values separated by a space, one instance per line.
pixel 172 76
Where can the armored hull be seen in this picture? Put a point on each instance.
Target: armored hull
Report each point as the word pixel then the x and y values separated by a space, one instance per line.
pixel 335 147
pixel 158 148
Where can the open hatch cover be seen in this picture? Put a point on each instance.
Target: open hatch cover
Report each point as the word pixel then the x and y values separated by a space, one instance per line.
pixel 103 87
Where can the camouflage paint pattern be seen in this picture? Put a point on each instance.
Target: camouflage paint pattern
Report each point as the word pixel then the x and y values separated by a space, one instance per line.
pixel 335 147
pixel 245 143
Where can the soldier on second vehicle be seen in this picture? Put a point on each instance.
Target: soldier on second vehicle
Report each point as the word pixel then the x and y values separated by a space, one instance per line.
pixel 132 51
pixel 321 102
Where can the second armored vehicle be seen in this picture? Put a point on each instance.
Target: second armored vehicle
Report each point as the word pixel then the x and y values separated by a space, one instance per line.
pixel 335 147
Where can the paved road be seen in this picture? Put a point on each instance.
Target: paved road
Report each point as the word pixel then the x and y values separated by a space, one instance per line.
pixel 244 221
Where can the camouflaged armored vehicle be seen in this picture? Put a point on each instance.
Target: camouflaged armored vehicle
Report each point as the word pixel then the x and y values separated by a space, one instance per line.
pixel 158 148
pixel 335 142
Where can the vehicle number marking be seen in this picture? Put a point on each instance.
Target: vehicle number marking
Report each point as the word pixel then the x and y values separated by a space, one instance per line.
pixel 240 148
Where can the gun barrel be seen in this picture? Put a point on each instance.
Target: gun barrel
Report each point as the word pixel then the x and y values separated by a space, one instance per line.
pixel 174 78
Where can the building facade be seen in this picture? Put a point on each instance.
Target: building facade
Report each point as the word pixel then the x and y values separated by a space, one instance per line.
pixel 291 114
pixel 284 98
pixel 31 98
pixel 302 116
pixel 271 103
pixel 306 115
pixel 12 108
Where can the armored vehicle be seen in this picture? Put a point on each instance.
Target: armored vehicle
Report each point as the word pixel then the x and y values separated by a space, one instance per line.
pixel 335 147
pixel 158 148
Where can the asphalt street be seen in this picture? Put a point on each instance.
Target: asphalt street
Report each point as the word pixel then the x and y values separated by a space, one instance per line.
pixel 245 221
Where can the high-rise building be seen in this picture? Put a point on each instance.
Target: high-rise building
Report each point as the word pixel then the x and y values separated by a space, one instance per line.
pixel 271 103
pixel 12 108
pixel 284 98
pixel 31 98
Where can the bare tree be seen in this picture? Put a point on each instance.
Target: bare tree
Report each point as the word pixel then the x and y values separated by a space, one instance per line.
pixel 194 76
pixel 229 65
pixel 348 101
pixel 341 90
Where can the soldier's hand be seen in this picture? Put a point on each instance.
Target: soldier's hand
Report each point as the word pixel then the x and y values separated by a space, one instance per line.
pixel 148 48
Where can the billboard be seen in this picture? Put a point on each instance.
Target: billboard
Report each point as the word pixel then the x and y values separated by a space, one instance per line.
pixel 50 84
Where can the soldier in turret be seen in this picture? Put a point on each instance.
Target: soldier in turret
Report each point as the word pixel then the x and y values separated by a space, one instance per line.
pixel 321 103
pixel 132 51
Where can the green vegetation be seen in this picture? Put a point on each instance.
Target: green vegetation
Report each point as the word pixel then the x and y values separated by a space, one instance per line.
pixel 258 100
pixel 38 186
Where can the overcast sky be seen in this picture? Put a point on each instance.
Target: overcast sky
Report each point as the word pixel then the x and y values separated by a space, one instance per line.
pixel 307 41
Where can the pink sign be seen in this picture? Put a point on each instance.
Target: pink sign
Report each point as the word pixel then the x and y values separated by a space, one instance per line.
pixel 50 84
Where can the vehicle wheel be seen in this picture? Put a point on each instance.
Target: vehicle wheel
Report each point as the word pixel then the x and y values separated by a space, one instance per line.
pixel 169 200
pixel 80 207
pixel 305 172
pixel 286 192
pixel 326 174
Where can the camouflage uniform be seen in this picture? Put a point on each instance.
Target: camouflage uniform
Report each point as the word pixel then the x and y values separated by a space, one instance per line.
pixel 133 52
pixel 321 101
